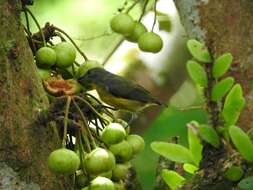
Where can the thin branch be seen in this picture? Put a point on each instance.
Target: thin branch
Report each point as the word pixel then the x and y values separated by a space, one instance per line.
pixel 37 24
pixel 112 52
pixel 66 121
pixel 155 16
pixel 143 10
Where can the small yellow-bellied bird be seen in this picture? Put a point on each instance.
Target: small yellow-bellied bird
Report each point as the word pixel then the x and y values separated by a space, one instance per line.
pixel 118 91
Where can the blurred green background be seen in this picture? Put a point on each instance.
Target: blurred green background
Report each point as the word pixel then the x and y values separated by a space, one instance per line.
pixel 163 74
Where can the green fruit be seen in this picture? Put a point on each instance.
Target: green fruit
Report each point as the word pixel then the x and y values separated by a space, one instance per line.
pixel 44 74
pixel 139 29
pixel 137 143
pixel 101 183
pixel 123 151
pixel 63 161
pixel 91 64
pixel 234 173
pixel 120 172
pixel 65 54
pixel 150 42
pixel 99 160
pixel 123 24
pixel 45 57
pixel 125 125
pixel 113 133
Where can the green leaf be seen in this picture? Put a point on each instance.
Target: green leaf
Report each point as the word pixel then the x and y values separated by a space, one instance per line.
pixel 233 105
pixel 234 173
pixel 221 88
pixel 190 168
pixel 242 142
pixel 173 152
pixel 246 183
pixel 199 51
pixel 172 179
pixel 195 146
pixel 164 21
pixel 197 73
pixel 209 135
pixel 222 64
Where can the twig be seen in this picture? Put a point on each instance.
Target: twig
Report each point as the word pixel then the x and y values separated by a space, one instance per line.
pixel 112 52
pixel 37 24
pixel 91 107
pixel 66 121
pixel 155 15
pixel 143 10
pixel 132 6
pixel 85 123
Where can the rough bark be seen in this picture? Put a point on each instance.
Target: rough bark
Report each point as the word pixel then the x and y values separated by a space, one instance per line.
pixel 24 143
pixel 224 26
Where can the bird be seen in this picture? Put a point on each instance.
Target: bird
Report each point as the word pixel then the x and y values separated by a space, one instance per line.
pixel 117 91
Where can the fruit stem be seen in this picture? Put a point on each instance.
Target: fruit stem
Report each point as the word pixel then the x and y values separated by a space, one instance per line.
pixel 30 38
pixel 65 124
pixel 72 41
pixel 81 150
pixel 92 108
pixel 155 15
pixel 132 6
pixel 143 10
pixel 113 50
pixel 106 108
pixel 93 144
pixel 37 24
pixel 95 37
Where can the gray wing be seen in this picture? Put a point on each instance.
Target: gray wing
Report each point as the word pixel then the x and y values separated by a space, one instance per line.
pixel 124 88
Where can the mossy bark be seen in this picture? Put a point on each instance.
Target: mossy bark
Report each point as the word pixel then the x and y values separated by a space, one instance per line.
pixel 224 26
pixel 24 143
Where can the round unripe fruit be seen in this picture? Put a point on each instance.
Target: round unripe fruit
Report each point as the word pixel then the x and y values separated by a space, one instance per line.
pixel 65 54
pixel 139 29
pixel 45 57
pixel 101 183
pixel 63 161
pixel 44 73
pixel 123 24
pixel 150 42
pixel 120 172
pixel 137 143
pixel 113 133
pixel 122 151
pixel 99 160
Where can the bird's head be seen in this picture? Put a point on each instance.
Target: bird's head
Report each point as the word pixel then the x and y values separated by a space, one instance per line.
pixel 87 75
pixel 91 77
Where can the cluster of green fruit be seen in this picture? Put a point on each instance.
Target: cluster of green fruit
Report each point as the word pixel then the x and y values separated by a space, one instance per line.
pixel 106 166
pixel 59 58
pixel 135 31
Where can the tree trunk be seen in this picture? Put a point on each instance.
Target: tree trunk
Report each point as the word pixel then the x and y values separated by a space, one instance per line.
pixel 24 143
pixel 224 26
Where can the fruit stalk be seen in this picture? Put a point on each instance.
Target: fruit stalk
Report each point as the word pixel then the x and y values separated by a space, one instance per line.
pixel 66 121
